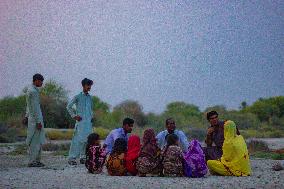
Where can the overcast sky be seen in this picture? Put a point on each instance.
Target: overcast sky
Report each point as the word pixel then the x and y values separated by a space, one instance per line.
pixel 155 52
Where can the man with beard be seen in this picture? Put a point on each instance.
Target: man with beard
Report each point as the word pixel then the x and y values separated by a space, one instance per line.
pixel 171 129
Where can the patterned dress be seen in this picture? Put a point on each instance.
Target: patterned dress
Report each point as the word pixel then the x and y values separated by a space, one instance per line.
pixel 173 161
pixel 95 159
pixel 149 160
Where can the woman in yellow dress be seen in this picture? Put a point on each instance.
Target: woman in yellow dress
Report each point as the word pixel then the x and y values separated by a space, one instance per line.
pixel 235 159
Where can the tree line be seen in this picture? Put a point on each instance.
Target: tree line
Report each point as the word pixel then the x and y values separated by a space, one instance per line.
pixel 266 115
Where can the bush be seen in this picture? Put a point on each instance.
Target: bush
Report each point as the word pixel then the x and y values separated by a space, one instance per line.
pixel 56 147
pixel 257 146
pixel 102 132
pixel 59 134
pixel 198 134
pixel 19 150
pixel 268 155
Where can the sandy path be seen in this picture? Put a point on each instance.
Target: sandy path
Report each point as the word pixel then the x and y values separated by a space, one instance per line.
pixel 57 174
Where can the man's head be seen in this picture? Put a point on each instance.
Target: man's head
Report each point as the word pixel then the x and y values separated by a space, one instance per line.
pixel 212 117
pixel 38 80
pixel 87 85
pixel 170 125
pixel 128 125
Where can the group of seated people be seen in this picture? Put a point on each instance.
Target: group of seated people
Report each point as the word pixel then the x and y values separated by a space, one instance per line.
pixel 169 153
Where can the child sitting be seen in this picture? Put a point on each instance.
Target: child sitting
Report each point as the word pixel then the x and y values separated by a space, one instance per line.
pixel 95 155
pixel 132 154
pixel 172 157
pixel 195 164
pixel 116 162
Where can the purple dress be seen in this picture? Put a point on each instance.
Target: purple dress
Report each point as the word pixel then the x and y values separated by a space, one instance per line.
pixel 195 164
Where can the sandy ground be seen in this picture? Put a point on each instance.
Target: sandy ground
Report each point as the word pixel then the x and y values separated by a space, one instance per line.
pixel 57 174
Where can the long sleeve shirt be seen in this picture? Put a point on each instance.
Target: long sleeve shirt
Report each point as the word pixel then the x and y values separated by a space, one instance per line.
pixel 113 135
pixel 183 142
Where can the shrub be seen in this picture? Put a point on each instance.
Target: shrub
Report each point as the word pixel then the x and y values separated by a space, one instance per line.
pixel 59 134
pixel 56 147
pixel 256 146
pixel 102 132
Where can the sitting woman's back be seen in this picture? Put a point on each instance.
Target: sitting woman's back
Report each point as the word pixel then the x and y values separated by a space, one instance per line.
pixel 195 164
pixel 172 157
pixel 149 158
pixel 173 161
pixel 133 149
pixel 95 155
pixel 116 160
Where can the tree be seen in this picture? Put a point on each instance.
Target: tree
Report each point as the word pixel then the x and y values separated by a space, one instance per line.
pixel 55 91
pixel 53 104
pixel 130 109
pixel 243 105
pixel 183 113
pixel 267 108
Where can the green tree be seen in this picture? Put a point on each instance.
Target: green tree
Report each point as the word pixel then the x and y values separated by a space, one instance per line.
pixel 267 108
pixel 184 114
pixel 130 109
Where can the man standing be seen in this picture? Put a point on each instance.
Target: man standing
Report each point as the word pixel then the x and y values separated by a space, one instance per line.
pixel 35 131
pixel 80 108
pixel 171 129
pixel 122 132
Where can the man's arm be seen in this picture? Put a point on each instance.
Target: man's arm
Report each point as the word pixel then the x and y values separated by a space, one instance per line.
pixel 108 142
pixel 208 139
pixel 70 108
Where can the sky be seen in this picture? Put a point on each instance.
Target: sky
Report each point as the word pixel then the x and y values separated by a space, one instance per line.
pixel 155 52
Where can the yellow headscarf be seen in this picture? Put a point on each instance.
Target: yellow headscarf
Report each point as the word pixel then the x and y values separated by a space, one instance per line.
pixel 235 156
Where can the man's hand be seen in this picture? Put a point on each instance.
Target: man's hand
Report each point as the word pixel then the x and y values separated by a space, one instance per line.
pixel 77 118
pixel 39 126
pixel 210 130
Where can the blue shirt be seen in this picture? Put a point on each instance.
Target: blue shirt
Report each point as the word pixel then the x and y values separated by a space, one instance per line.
pixel 82 105
pixel 112 136
pixel 183 142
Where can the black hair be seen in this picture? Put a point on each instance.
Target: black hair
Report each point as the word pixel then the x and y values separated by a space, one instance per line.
pixel 38 77
pixel 87 81
pixel 168 120
pixel 91 140
pixel 210 114
pixel 171 139
pixel 128 121
pixel 120 146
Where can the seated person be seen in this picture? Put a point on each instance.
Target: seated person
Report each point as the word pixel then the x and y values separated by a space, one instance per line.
pixel 95 154
pixel 116 160
pixel 149 160
pixel 235 159
pixel 172 157
pixel 122 132
pixel 171 129
pixel 215 137
pixel 195 163
pixel 133 150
